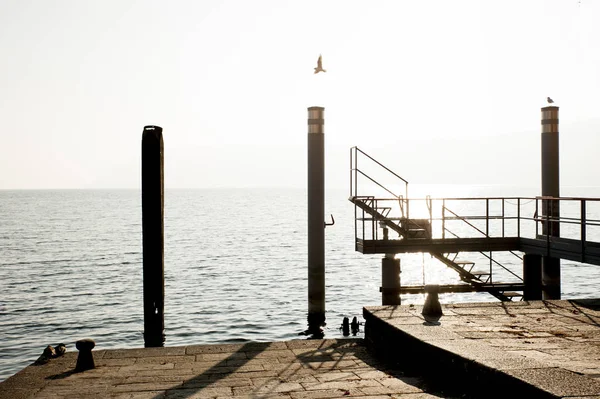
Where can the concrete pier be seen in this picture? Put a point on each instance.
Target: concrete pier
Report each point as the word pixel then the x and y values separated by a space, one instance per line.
pixel 299 369
pixel 535 349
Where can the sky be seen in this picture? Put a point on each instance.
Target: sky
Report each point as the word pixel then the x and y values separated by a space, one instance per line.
pixel 440 91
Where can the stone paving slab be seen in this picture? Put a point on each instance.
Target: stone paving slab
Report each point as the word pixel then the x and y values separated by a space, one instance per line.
pixel 298 369
pixel 547 348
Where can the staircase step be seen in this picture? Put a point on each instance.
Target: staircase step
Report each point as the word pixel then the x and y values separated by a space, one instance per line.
pixel 463 262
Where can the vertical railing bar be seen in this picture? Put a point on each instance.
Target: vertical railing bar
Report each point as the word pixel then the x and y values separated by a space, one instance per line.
pixel 443 218
pixel 363 224
pixel 356 173
pixel 491 270
pixel 430 205
pixel 355 226
pixel 487 217
pixel 537 216
pixel 375 218
pixel 519 217
pixel 502 217
pixel 351 169
pixel 583 229
pixel 407 200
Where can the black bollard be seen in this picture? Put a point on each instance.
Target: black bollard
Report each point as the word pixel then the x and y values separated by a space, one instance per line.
pixel 345 327
pixel 85 359
pixel 354 326
pixel 153 235
pixel 432 309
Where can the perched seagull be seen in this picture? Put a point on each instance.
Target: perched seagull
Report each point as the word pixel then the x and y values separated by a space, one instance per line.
pixel 550 101
pixel 319 67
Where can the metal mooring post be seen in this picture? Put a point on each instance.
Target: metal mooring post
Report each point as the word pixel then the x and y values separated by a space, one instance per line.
pixel 316 219
pixel 550 188
pixel 153 235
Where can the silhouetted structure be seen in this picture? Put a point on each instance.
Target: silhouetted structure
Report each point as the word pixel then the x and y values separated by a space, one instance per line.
pixel 502 225
pixel 550 208
pixel 153 235
pixel 316 219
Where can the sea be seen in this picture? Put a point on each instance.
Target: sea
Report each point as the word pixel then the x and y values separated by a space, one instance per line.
pixel 235 267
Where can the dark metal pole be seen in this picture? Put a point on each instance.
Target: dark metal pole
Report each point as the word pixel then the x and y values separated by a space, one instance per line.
pixel 550 188
pixel 316 219
pixel 153 235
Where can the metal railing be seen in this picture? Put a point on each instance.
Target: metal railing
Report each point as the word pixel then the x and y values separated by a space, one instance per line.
pixel 356 173
pixel 517 217
pixel 489 217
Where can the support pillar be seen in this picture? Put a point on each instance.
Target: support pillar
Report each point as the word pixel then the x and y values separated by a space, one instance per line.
pixel 153 235
pixel 390 280
pixel 550 208
pixel 532 277
pixel 316 219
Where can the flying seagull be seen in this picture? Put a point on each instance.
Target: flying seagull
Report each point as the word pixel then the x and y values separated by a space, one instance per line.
pixel 319 67
pixel 550 101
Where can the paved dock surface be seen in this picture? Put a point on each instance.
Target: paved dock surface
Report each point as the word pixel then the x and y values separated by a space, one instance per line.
pixel 299 369
pixel 536 349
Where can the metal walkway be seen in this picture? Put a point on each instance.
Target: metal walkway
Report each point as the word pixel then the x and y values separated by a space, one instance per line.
pixel 388 222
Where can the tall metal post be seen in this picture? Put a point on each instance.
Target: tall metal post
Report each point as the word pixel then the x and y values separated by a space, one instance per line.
pixel 550 208
pixel 316 219
pixel 153 235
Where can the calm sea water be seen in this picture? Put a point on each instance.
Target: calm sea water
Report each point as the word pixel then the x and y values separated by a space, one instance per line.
pixel 235 268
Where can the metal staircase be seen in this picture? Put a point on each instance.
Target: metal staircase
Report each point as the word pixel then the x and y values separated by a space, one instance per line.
pixel 379 212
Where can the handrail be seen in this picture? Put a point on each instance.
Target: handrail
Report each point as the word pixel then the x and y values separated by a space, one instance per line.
pixel 492 259
pixel 376 182
pixel 501 265
pixel 379 163
pixel 355 171
pixel 458 217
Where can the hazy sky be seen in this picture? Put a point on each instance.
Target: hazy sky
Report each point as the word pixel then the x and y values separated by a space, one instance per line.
pixel 441 91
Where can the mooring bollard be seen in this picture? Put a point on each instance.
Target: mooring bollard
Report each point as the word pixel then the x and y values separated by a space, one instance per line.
pixel 432 309
pixel 85 359
pixel 345 327
pixel 153 236
pixel 355 326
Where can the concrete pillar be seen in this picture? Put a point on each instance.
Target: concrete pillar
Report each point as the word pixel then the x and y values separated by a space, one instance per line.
pixel 153 236
pixel 532 277
pixel 390 280
pixel 550 188
pixel 316 219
